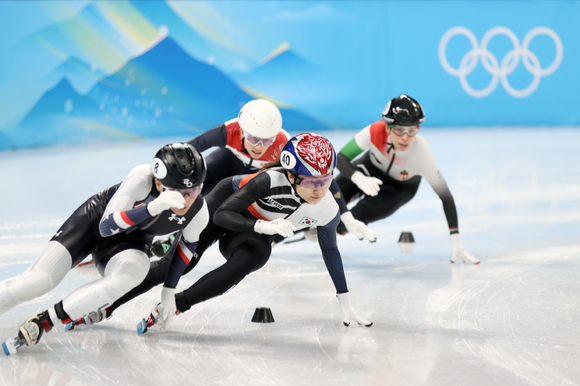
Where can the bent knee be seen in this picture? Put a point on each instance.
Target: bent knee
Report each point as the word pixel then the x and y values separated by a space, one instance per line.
pixel 127 269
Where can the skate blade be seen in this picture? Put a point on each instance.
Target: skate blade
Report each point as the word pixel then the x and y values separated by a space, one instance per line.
pixel 69 326
pixel 142 327
pixel 11 345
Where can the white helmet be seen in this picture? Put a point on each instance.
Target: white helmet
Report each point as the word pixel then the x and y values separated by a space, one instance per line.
pixel 260 118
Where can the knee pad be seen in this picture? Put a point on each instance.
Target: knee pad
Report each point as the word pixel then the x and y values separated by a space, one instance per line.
pixel 126 270
pixel 123 272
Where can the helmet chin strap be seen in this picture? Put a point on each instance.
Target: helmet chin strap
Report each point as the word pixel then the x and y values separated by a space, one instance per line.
pixel 295 184
pixel 295 178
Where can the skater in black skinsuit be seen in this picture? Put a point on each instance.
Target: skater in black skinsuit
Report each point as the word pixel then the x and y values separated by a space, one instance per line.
pixel 251 209
pixel 244 145
pixel 117 227
pixel 246 243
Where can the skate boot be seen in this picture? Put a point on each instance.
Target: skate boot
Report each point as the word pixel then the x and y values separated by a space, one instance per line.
pixel 151 320
pixel 30 333
pixel 87 320
pixel 160 247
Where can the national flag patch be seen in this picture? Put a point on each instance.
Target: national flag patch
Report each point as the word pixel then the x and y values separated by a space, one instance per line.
pixel 307 221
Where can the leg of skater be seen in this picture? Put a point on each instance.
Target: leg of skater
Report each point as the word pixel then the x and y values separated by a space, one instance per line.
pixel 246 260
pixel 49 268
pixel 158 269
pixel 383 205
pixel 245 252
pixel 122 272
pixel 70 245
pixel 389 199
pixel 391 196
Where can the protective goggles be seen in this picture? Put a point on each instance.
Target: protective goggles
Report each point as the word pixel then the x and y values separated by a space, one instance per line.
pixel 402 130
pixel 315 182
pixel 256 140
pixel 193 192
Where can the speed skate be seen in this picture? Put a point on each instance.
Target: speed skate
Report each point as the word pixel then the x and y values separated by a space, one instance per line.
pixel 11 345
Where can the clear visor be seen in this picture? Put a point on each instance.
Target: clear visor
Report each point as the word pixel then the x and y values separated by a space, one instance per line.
pixel 402 130
pixel 256 140
pixel 316 182
pixel 192 193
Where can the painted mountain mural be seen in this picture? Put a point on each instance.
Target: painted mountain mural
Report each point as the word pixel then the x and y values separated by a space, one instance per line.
pixel 163 92
pixel 288 77
pixel 205 48
pixel 60 116
pixel 80 74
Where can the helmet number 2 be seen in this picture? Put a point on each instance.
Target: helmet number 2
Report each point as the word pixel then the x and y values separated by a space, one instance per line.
pixel 187 183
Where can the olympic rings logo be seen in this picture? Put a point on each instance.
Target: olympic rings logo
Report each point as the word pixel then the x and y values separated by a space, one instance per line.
pixel 508 64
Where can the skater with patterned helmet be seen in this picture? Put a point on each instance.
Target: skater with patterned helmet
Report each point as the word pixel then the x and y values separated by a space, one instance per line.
pixel 247 211
pixel 244 145
pixel 389 173
pixel 117 227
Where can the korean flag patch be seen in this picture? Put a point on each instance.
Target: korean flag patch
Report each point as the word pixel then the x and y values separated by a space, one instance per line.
pixel 307 221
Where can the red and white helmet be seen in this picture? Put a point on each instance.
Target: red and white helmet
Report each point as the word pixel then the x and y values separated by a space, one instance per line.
pixel 308 154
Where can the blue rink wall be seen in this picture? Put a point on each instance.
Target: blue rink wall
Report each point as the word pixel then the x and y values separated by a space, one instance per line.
pixel 76 72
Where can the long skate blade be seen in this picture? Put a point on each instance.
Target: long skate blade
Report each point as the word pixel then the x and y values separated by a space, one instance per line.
pixel 142 326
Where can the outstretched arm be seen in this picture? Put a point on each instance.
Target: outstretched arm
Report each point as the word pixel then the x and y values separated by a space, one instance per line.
pixel 183 254
pixel 435 178
pixel 333 261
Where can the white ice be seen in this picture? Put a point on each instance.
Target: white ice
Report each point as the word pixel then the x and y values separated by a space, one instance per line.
pixel 513 320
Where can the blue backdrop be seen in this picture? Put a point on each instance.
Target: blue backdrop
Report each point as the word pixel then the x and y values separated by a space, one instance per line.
pixel 80 71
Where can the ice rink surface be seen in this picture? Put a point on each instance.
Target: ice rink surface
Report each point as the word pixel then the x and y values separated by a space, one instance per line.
pixel 512 320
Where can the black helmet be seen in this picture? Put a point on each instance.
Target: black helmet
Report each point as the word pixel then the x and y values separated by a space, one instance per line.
pixel 179 166
pixel 403 111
